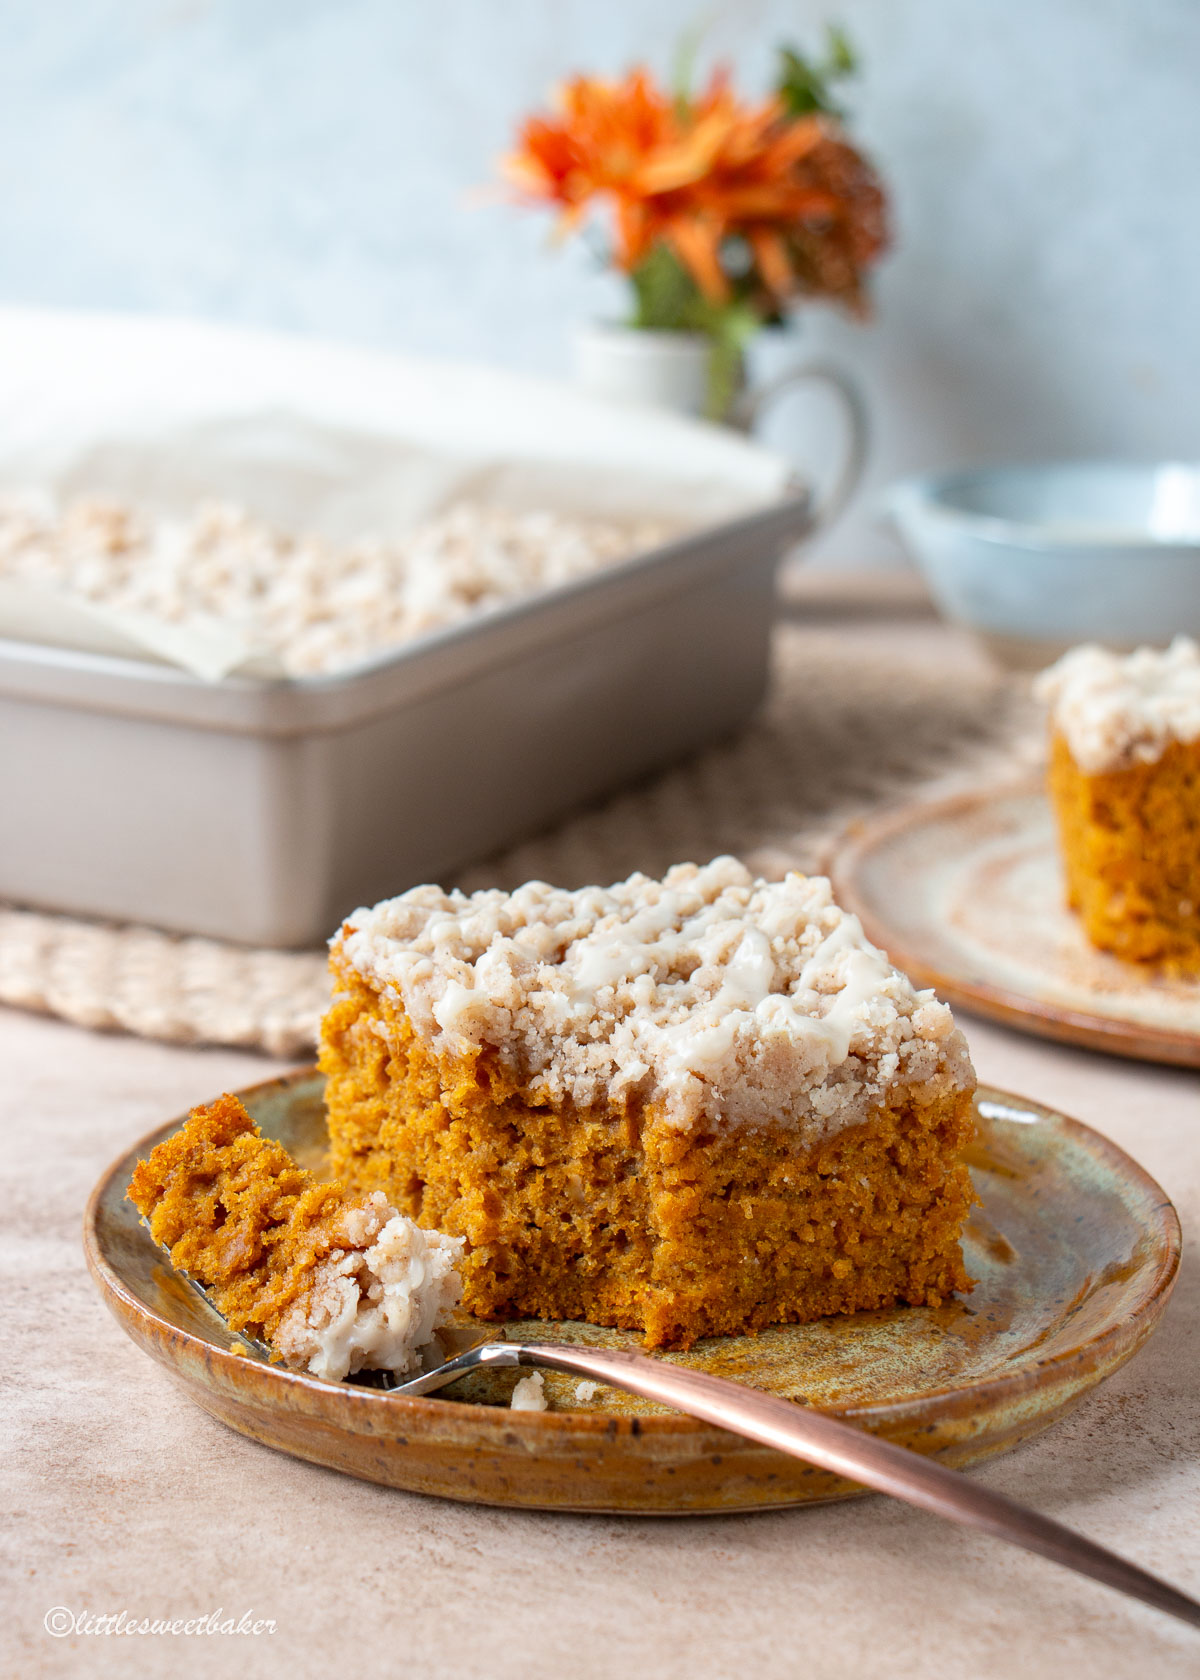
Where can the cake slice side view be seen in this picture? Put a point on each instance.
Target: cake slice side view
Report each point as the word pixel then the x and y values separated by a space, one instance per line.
pixel 1124 780
pixel 692 1107
pixel 333 1281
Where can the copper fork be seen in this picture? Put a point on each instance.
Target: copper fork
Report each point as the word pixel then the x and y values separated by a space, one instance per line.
pixel 825 1441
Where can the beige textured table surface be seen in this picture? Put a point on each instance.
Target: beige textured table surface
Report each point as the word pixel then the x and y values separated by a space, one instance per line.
pixel 119 1495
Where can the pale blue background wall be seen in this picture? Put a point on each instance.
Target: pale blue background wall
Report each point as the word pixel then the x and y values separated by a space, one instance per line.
pixel 307 164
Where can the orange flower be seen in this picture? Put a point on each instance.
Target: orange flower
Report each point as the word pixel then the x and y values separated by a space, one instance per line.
pixel 808 206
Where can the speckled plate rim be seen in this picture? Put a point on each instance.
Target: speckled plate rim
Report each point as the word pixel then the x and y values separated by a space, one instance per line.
pixel 1107 1347
pixel 868 835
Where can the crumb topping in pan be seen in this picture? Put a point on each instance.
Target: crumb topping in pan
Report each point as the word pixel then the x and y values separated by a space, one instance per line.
pixel 317 605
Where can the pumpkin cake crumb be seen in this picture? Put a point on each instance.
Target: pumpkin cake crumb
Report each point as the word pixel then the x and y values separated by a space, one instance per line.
pixel 334 1281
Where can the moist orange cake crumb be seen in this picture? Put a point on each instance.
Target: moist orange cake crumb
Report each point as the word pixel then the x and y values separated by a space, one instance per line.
pixel 334 1281
pixel 689 1107
pixel 1124 779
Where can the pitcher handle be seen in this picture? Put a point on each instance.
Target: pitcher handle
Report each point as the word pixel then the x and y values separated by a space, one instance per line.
pixel 751 405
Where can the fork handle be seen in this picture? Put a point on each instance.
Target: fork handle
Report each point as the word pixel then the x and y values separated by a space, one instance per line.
pixel 848 1451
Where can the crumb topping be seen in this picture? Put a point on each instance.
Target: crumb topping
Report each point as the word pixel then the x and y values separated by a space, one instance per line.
pixel 1117 710
pixel 720 998
pixel 375 1302
pixel 529 1394
pixel 317 605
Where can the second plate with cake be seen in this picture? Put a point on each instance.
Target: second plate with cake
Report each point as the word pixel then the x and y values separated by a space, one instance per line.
pixel 967 895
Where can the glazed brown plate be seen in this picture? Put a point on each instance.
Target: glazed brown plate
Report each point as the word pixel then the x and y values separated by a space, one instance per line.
pixel 965 895
pixel 1074 1248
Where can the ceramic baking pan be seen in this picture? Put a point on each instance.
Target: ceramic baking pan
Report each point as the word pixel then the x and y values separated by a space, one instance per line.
pixel 264 811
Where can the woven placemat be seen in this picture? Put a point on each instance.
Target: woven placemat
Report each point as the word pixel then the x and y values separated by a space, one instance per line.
pixel 860 712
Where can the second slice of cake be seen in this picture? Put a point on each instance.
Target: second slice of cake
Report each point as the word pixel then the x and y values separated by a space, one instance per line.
pixel 1124 780
pixel 690 1107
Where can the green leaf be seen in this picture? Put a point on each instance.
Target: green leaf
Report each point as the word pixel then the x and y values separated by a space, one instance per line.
pixel 805 84
pixel 800 85
pixel 843 59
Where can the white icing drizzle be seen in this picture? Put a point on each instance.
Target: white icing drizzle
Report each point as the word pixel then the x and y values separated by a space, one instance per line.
pixel 374 1304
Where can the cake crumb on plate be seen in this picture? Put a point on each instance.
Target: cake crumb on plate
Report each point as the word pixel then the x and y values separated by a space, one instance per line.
pixel 530 1394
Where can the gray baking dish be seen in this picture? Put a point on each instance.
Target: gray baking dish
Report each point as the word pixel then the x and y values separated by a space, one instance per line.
pixel 264 811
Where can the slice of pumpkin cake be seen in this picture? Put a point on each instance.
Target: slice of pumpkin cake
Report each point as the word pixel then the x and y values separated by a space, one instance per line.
pixel 335 1281
pixel 1124 780
pixel 691 1107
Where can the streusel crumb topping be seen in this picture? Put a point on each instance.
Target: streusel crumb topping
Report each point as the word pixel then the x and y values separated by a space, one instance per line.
pixel 317 605
pixel 1117 710
pixel 715 996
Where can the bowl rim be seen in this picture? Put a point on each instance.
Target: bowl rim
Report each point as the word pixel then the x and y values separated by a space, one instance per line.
pixel 922 493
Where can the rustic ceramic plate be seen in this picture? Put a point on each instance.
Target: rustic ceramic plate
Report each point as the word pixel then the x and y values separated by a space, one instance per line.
pixel 1074 1248
pixel 966 895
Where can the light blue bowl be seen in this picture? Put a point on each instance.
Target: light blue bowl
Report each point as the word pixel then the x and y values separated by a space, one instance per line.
pixel 1036 559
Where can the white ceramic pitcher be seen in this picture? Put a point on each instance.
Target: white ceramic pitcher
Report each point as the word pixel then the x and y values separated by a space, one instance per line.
pixel 671 370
